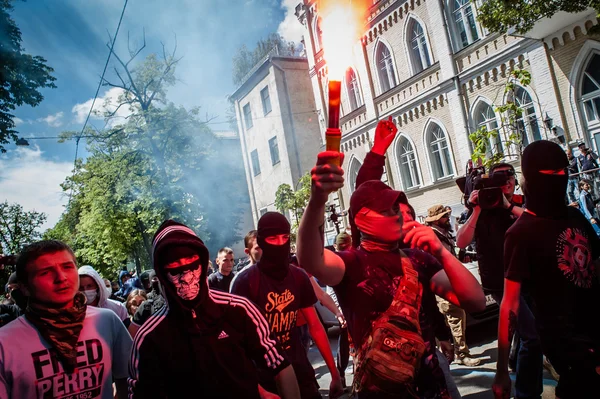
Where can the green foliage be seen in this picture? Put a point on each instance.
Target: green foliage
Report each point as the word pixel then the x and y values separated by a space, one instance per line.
pixel 244 60
pixel 18 227
pixel 510 112
pixel 295 201
pixel 21 75
pixel 500 15
pixel 159 163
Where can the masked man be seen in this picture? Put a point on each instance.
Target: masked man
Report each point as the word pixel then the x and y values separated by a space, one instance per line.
pixel 281 291
pixel 206 342
pixel 552 252
pixel 366 280
pixel 92 286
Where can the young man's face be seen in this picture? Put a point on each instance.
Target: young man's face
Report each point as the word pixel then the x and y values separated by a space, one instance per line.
pixel 406 213
pixel 254 252
pixel 125 278
pixel 225 262
pixel 115 286
pixel 52 280
pixel 185 281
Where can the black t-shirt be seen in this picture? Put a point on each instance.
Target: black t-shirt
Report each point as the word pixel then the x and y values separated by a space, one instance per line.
pixel 367 290
pixel 219 282
pixel 491 227
pixel 553 258
pixel 279 302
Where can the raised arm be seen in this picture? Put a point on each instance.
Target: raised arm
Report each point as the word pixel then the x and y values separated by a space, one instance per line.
pixel 321 263
pixel 372 167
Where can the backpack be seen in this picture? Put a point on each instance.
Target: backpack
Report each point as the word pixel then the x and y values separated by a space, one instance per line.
pixel 389 359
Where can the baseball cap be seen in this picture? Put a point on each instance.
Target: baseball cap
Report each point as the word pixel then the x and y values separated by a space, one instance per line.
pixel 375 195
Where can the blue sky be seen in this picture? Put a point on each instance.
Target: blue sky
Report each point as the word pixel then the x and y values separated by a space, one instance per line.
pixel 72 36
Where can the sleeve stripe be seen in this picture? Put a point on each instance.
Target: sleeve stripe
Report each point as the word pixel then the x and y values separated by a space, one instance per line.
pixel 146 328
pixel 272 357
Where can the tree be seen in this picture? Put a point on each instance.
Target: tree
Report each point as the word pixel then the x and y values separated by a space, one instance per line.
pixel 244 60
pixel 21 75
pixel 511 117
pixel 500 15
pixel 18 227
pixel 295 201
pixel 159 162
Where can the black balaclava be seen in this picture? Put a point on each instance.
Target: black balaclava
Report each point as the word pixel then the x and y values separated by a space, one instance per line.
pixel 275 259
pixel 185 288
pixel 544 192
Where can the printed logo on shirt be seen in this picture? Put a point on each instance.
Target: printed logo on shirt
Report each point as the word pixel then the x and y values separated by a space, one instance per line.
pixel 83 383
pixel 280 321
pixel 279 301
pixel 575 258
pixel 223 335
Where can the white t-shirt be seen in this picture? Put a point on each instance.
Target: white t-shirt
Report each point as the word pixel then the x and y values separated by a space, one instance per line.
pixel 29 367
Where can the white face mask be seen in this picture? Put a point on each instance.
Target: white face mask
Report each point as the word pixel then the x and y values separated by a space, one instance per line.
pixel 109 291
pixel 187 283
pixel 90 295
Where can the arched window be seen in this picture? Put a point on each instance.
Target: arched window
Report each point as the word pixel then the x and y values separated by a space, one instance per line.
pixel 590 90
pixel 318 34
pixel 353 90
pixel 486 117
pixel 464 22
pixel 407 161
pixel 385 67
pixel 527 122
pixel 441 162
pixel 417 42
pixel 353 173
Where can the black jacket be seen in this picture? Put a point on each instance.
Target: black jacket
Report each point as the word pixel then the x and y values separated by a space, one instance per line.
pixel 210 348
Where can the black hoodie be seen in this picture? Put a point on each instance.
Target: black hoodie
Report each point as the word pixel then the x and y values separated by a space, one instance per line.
pixel 208 345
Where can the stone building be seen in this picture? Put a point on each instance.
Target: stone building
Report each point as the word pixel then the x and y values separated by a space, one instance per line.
pixel 440 75
pixel 278 125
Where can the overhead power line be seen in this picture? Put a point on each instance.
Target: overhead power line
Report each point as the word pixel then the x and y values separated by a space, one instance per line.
pixel 112 46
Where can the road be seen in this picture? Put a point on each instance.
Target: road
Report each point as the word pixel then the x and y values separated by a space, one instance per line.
pixel 472 382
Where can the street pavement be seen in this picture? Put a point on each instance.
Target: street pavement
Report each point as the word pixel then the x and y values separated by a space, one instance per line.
pixel 472 382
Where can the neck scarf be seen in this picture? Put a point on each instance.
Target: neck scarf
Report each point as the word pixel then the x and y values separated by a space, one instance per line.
pixel 373 246
pixel 61 328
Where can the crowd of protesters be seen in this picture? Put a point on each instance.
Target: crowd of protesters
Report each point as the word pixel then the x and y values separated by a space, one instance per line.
pixel 399 289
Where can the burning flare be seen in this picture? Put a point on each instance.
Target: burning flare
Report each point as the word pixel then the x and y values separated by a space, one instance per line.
pixel 339 25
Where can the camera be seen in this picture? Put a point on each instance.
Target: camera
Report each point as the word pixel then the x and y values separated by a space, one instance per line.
pixel 489 186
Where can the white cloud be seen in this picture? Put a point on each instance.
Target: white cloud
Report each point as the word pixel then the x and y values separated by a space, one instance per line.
pixel 107 102
pixel 53 120
pixel 290 28
pixel 18 121
pixel 34 182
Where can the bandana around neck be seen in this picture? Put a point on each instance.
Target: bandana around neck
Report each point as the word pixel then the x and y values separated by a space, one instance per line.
pixel 61 328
